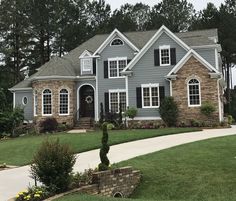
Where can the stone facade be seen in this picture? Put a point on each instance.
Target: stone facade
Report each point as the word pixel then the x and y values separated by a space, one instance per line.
pixel 208 88
pixel 55 86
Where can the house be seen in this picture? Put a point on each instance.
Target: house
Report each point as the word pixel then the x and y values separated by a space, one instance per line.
pixel 134 69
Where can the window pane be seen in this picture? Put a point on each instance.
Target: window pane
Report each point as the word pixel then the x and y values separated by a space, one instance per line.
pixel 194 92
pixel 165 56
pixel 123 101
pixel 114 102
pixel 113 68
pixel 117 41
pixel 155 96
pixel 47 102
pixel 146 96
pixel 64 101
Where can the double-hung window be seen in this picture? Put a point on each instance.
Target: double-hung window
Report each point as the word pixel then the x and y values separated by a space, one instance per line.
pixel 116 65
pixel 47 102
pixel 64 102
pixel 150 94
pixel 165 55
pixel 87 66
pixel 194 96
pixel 117 97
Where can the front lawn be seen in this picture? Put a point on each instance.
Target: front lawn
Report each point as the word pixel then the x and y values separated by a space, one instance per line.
pixel 20 151
pixel 199 171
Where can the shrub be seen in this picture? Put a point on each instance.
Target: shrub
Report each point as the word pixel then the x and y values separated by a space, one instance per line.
pixel 110 126
pixel 230 119
pixel 112 117
pixel 207 109
pixel 169 111
pixel 104 165
pixel 48 125
pixel 52 165
pixel 131 112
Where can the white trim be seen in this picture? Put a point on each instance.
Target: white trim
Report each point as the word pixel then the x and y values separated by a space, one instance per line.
pixel 147 118
pixel 83 55
pixel 96 94
pixel 150 86
pixel 117 59
pixel 59 101
pixel 43 105
pixel 118 91
pixel 116 39
pixel 218 46
pixel 216 59
pixel 78 98
pixel 186 58
pixel 20 89
pixel 83 70
pixel 162 30
pixel 14 99
pixel 200 97
pixel 110 37
pixel 127 90
pixel 164 47
pixel 52 77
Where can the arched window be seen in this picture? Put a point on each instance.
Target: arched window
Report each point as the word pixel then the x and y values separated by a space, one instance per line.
pixel 64 102
pixel 194 94
pixel 47 102
pixel 116 42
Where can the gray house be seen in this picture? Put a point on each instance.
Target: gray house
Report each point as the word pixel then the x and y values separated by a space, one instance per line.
pixel 134 69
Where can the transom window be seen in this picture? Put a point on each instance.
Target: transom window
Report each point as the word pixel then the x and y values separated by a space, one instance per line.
pixel 47 102
pixel 87 65
pixel 117 42
pixel 116 65
pixel 64 102
pixel 164 55
pixel 116 98
pixel 194 93
pixel 150 94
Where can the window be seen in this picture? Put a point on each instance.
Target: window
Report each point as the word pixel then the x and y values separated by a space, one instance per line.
pixel 117 97
pixel 47 102
pixel 116 65
pixel 194 93
pixel 164 55
pixel 64 102
pixel 87 66
pixel 150 94
pixel 25 100
pixel 117 42
pixel 35 103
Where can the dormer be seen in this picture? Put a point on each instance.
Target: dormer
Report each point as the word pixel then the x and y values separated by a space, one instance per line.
pixel 86 63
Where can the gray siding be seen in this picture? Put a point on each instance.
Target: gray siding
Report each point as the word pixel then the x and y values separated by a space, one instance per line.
pixel 144 72
pixel 115 83
pixel 28 108
pixel 208 55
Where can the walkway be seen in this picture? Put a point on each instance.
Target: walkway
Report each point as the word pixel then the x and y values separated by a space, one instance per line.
pixel 14 180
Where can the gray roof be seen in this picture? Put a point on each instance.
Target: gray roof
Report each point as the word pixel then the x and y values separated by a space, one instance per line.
pixel 22 85
pixel 69 65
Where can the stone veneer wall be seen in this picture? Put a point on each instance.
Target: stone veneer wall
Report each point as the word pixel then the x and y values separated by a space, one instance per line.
pixel 55 86
pixel 209 91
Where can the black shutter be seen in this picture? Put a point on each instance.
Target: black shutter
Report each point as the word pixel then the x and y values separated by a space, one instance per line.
pixel 94 66
pixel 173 56
pixel 128 60
pixel 162 93
pixel 156 57
pixel 105 69
pixel 139 97
pixel 106 98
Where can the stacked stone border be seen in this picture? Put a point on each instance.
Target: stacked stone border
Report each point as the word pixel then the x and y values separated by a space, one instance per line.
pixel 120 182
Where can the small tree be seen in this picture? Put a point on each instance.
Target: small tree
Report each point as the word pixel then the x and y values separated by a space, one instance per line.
pixel 52 165
pixel 131 112
pixel 101 120
pixel 207 109
pixel 169 111
pixel 104 165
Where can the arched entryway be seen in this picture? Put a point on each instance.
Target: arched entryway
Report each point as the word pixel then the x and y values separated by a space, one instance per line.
pixel 86 101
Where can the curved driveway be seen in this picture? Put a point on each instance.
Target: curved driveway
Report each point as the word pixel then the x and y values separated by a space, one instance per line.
pixel 14 180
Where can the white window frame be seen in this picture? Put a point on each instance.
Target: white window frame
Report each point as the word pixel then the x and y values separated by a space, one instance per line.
pixel 23 100
pixel 117 91
pixel 43 104
pixel 35 105
pixel 150 86
pixel 117 59
pixel 116 45
pixel 85 70
pixel 164 47
pixel 199 85
pixel 59 102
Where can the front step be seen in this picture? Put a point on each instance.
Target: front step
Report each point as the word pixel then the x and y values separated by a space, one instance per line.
pixel 85 123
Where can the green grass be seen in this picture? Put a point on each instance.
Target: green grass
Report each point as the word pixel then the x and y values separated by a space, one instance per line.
pixel 20 151
pixel 199 171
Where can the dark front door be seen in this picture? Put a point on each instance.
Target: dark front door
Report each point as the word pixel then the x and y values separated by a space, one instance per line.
pixel 86 101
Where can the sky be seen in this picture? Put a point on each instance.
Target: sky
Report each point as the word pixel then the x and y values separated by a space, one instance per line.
pixel 198 5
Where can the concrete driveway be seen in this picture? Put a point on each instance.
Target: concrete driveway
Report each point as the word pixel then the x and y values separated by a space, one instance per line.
pixel 14 180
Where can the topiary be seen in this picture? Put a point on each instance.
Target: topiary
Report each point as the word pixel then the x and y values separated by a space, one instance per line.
pixel 169 111
pixel 52 165
pixel 104 165
pixel 101 120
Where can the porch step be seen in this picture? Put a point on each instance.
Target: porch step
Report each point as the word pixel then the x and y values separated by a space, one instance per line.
pixel 85 123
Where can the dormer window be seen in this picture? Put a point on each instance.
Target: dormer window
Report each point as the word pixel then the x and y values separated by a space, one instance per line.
pixel 165 55
pixel 86 63
pixel 117 42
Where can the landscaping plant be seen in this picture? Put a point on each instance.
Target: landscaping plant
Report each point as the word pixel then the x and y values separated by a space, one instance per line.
pixel 131 112
pixel 104 165
pixel 169 111
pixel 101 119
pixel 207 109
pixel 52 165
pixel 48 125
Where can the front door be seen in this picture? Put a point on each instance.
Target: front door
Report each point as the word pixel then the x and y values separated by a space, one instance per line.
pixel 86 108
